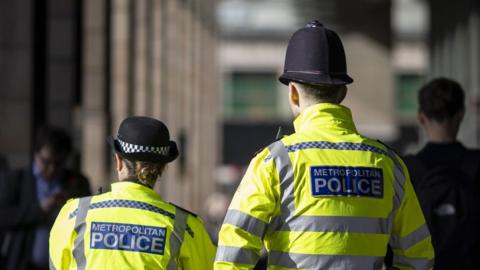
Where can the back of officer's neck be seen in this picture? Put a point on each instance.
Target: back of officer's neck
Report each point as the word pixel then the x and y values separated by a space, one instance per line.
pixel 307 103
pixel 133 179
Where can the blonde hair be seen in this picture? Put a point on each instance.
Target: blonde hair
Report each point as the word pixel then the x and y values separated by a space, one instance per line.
pixel 146 173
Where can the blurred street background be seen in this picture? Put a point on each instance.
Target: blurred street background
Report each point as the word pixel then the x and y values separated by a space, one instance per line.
pixel 209 70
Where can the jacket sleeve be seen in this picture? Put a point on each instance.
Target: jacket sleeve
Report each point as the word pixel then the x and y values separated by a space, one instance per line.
pixel 410 239
pixel 62 236
pixel 198 251
pixel 253 205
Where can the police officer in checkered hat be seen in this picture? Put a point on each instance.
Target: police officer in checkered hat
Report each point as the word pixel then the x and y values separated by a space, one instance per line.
pixel 132 227
pixel 324 197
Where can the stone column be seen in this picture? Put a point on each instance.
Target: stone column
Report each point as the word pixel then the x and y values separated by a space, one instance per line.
pixel 120 62
pixel 94 116
pixel 62 67
pixel 16 88
pixel 141 100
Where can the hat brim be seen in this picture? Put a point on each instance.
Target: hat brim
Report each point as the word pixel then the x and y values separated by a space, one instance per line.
pixel 149 157
pixel 317 79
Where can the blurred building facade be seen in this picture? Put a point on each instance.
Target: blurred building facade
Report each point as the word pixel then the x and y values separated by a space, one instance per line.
pixel 392 48
pixel 410 24
pixel 454 44
pixel 86 64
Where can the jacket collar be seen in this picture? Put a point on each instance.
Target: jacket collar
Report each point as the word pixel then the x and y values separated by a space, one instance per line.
pixel 325 116
pixel 135 190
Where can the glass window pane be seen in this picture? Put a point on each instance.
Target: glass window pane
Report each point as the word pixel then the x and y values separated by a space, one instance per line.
pixel 253 95
pixel 407 88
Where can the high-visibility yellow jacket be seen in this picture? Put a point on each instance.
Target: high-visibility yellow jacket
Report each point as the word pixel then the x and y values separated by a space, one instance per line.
pixel 325 197
pixel 130 227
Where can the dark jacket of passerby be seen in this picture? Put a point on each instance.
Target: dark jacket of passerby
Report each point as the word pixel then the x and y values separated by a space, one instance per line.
pixel 451 209
pixel 21 214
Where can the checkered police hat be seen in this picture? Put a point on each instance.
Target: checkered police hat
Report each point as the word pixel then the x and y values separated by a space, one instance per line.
pixel 144 139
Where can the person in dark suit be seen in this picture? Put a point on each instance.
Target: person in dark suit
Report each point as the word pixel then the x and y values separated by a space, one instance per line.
pixel 30 199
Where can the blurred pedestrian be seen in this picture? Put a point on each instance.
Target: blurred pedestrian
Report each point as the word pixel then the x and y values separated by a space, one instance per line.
pixel 446 175
pixel 131 227
pixel 31 198
pixel 325 197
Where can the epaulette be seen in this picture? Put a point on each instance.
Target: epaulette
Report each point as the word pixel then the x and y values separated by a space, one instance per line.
pixel 387 146
pixel 188 229
pixel 185 210
pixel 263 148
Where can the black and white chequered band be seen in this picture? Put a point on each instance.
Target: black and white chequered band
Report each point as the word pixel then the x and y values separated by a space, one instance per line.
pixel 135 148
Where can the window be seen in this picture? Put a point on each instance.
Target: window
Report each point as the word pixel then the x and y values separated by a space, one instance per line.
pixel 407 88
pixel 251 95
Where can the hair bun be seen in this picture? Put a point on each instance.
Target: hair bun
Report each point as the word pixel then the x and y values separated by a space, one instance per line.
pixel 148 175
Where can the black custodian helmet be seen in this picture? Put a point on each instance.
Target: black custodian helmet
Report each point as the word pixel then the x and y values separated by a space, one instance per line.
pixel 315 55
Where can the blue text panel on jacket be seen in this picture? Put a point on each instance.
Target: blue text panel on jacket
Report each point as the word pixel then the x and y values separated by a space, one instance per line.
pixel 346 181
pixel 129 237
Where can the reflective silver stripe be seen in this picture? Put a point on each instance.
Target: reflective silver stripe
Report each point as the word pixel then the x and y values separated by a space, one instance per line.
pixel 236 255
pixel 314 261
pixel 331 145
pixel 50 263
pixel 410 239
pixel 285 173
pixel 390 222
pixel 398 186
pixel 415 263
pixel 176 239
pixel 337 224
pixel 399 183
pixel 80 226
pixel 245 222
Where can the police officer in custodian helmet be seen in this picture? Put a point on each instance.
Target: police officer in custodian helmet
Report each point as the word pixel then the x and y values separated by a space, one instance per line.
pixel 324 197
pixel 131 227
